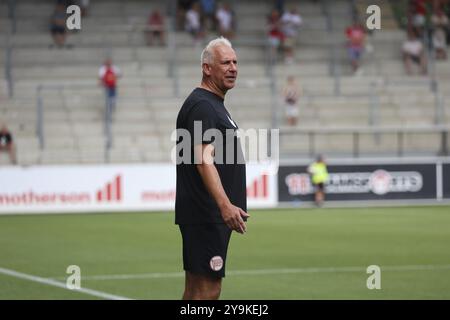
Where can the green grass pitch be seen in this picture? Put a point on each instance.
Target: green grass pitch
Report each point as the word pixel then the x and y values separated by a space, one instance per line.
pixel 286 254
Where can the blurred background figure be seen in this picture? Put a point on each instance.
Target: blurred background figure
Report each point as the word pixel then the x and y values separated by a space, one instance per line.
pixel 193 23
pixel 291 94
pixel 290 22
pixel 155 28
pixel 319 176
pixel 440 26
pixel 418 13
pixel 356 37
pixel 413 52
pixel 84 6
pixel 225 21
pixel 108 75
pixel 274 33
pixel 208 19
pixel 183 7
pixel 58 26
pixel 7 143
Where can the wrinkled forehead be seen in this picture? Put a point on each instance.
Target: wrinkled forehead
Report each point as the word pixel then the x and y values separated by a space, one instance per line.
pixel 223 52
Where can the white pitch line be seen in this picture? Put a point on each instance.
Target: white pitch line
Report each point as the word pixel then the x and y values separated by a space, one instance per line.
pixel 256 272
pixel 59 284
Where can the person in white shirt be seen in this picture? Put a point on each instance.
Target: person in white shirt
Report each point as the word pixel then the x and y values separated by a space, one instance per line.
pixel 291 94
pixel 440 24
pixel 193 23
pixel 224 16
pixel 290 22
pixel 413 51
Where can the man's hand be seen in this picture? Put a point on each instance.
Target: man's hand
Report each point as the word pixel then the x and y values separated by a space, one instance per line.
pixel 233 217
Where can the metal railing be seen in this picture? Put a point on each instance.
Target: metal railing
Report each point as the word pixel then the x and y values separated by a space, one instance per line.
pixel 356 132
pixel 8 47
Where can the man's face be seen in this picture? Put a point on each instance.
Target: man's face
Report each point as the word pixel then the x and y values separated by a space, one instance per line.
pixel 223 70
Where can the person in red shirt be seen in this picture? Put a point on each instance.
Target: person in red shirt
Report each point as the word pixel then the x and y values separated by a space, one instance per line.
pixel 155 28
pixel 356 37
pixel 418 10
pixel 108 76
pixel 274 32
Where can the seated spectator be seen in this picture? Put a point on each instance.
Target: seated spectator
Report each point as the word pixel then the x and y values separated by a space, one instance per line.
pixel 418 12
pixel 58 26
pixel 275 33
pixel 413 51
pixel 290 22
pixel 183 7
pixel 7 144
pixel 193 23
pixel 278 5
pixel 155 28
pixel 108 75
pixel 356 37
pixel 440 26
pixel 224 16
pixel 84 6
pixel 208 9
pixel 291 94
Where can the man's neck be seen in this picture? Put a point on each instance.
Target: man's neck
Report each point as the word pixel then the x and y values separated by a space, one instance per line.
pixel 212 88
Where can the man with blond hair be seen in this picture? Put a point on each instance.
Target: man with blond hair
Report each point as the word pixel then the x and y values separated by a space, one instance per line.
pixel 210 194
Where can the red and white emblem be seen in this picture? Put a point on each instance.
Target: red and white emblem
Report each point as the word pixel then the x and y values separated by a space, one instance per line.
pixel 216 263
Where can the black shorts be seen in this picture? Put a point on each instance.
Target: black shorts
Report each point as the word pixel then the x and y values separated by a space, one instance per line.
pixel 205 248
pixel 319 186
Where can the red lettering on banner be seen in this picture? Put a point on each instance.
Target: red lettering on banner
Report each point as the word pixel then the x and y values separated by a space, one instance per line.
pixel 158 195
pixel 30 198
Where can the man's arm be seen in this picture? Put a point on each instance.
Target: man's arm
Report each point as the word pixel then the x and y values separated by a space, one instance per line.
pixel 231 214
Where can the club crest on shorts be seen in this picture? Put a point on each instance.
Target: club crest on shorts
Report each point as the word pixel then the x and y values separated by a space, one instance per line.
pixel 216 263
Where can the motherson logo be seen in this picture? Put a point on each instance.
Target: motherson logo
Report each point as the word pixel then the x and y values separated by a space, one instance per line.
pixel 259 188
pixel 111 192
pixel 31 197
pixel 379 182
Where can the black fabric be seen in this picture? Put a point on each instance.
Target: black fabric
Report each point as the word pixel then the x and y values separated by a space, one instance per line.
pixel 201 244
pixel 193 202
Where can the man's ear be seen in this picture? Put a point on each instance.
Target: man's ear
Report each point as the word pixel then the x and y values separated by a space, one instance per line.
pixel 206 69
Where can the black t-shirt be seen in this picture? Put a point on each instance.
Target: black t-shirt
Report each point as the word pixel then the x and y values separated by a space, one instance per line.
pixel 193 202
pixel 5 139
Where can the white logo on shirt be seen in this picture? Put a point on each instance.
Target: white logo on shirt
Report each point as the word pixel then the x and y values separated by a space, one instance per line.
pixel 232 122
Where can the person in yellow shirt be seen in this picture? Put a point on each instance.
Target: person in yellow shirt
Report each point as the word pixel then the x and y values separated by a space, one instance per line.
pixel 319 176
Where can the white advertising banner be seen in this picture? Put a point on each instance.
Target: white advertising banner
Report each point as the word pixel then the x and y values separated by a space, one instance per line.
pixel 54 189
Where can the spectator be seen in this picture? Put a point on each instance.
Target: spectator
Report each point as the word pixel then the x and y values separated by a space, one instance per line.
pixel 440 25
pixel 183 7
pixel 224 17
pixel 356 37
pixel 155 28
pixel 319 177
pixel 413 51
pixel 275 33
pixel 418 14
pixel 291 22
pixel 58 26
pixel 84 6
pixel 193 23
pixel 108 75
pixel 278 5
pixel 208 8
pixel 7 144
pixel 291 94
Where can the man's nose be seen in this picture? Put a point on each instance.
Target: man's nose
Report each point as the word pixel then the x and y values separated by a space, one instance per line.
pixel 233 67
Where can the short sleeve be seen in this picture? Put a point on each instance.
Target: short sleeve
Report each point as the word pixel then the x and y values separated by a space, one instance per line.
pixel 201 118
